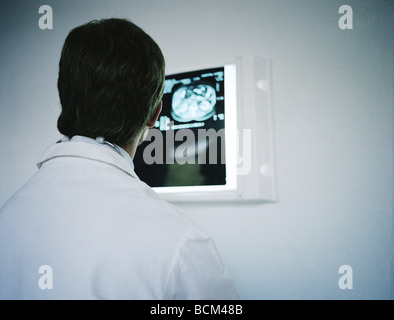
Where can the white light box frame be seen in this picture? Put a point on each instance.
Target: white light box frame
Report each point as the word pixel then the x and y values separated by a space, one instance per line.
pixel 249 138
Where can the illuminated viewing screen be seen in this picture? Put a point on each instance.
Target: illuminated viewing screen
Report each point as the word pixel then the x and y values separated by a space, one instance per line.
pixel 193 142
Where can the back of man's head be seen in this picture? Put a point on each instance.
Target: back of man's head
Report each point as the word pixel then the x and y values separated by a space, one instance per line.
pixel 111 78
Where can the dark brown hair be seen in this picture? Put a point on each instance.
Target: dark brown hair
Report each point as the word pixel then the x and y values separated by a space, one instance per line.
pixel 111 78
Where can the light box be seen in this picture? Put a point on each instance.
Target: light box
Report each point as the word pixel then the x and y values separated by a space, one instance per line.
pixel 213 140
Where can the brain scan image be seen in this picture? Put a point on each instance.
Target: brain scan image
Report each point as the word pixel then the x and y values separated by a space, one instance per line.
pixel 193 102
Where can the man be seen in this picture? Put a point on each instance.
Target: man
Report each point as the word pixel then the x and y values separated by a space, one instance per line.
pixel 84 226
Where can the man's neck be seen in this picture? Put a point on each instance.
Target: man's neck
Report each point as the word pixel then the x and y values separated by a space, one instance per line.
pixel 131 149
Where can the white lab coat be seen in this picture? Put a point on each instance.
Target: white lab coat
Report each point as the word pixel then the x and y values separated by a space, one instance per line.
pixel 98 232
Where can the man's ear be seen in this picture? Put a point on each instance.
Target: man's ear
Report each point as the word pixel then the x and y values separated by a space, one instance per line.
pixel 155 116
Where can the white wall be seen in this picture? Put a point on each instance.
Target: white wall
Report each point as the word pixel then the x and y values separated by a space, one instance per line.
pixel 333 123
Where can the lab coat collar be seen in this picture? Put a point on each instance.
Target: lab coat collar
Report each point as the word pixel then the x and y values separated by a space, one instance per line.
pixel 83 147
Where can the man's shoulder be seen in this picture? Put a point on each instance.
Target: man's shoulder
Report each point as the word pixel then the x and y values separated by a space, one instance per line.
pixel 160 214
